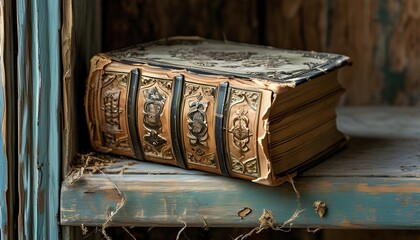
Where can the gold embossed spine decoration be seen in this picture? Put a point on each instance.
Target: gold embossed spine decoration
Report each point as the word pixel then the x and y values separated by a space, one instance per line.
pixel 198 125
pixel 106 109
pixel 153 118
pixel 242 116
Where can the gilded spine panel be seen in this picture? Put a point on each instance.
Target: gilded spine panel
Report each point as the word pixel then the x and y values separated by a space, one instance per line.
pixel 242 119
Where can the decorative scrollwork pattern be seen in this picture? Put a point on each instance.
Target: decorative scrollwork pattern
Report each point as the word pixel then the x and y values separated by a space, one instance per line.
pixel 207 160
pixel 242 131
pixel 110 105
pixel 197 122
pixel 248 167
pixel 199 100
pixel 152 110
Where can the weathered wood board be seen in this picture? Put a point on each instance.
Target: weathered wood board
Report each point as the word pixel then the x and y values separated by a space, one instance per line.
pixel 38 117
pixel 373 183
pixel 4 181
pixel 8 123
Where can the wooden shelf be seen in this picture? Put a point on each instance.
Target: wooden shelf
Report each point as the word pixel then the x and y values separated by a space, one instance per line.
pixel 373 183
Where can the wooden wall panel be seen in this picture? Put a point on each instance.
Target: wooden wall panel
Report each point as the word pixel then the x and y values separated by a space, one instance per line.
pixel 404 53
pixel 132 21
pixel 355 32
pixel 381 37
pixel 296 24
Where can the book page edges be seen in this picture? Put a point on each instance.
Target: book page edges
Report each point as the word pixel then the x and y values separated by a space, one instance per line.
pixel 267 176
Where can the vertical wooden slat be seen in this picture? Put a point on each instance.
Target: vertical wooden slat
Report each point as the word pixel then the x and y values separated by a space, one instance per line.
pixel 7 122
pixel 81 21
pixel 404 50
pixel 4 223
pixel 39 117
pixel 296 24
pixel 355 32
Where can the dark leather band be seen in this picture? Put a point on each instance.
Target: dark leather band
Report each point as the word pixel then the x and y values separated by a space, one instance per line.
pixel 132 113
pixel 176 121
pixel 220 129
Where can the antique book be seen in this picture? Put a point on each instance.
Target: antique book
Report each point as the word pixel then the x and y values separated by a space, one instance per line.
pixel 239 110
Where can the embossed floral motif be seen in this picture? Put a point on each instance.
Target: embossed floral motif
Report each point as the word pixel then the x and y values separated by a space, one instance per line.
pixel 208 160
pixel 248 167
pixel 197 122
pixel 191 89
pixel 265 61
pixel 239 96
pixel 121 79
pixel 240 131
pixel 206 55
pixel 165 84
pixel 209 91
pixel 145 81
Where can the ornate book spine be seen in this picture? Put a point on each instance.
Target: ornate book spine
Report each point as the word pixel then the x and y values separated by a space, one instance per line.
pixel 107 109
pixel 209 123
pixel 242 113
pixel 154 99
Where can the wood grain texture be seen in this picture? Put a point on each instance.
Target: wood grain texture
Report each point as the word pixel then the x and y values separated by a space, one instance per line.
pixel 376 188
pixel 39 115
pixel 381 37
pixel 4 181
pixel 140 21
pixel 8 154
pixel 80 40
pixel 404 52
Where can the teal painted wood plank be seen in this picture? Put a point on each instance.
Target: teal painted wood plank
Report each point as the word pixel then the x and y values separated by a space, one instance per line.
pixel 159 200
pixel 7 121
pixel 3 157
pixel 39 113
pixel 372 183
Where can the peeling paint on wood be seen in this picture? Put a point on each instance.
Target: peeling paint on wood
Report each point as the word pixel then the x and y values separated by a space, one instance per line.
pixel 369 191
pixel 409 188
pixel 38 117
pixel 3 157
pixel 7 122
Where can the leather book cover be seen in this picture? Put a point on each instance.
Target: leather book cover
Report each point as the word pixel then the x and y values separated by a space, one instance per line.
pixel 196 103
